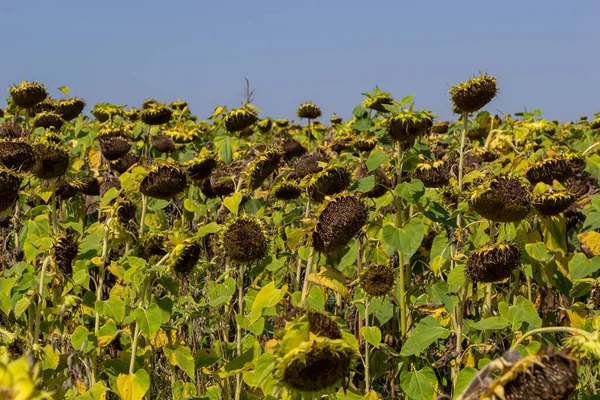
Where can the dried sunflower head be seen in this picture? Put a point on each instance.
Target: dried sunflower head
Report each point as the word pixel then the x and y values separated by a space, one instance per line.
pixel 331 180
pixel 493 263
pixel 48 104
pixel 320 324
pixel 339 219
pixel 474 94
pixel 122 212
pixel 70 109
pixel 553 203
pixel 342 142
pixel 16 154
pixel 244 239
pixel 10 183
pixel 51 159
pixel 440 127
pixel 163 143
pixel 286 190
pixel 201 167
pixel 64 250
pixel 377 102
pixel 27 95
pixel 365 144
pixel 114 142
pixel 133 114
pixel 282 122
pixel 433 174
pixel 178 104
pixel 123 163
pixel 261 168
pixel 335 120
pixel 88 186
pixel 239 119
pixel 502 199
pixel 10 130
pixel 164 181
pixel 549 169
pixel 156 115
pixel 377 279
pixel 308 111
pixel 310 163
pixel 264 125
pixel 185 256
pixel 224 179
pixel 105 111
pixel 576 160
pixel 382 181
pixel 291 148
pixel 407 125
pixel 47 120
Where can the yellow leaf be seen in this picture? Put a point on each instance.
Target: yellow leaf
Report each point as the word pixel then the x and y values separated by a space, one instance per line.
pixel 330 278
pixel 133 386
pixel 97 261
pixel 590 242
pixel 578 315
pixel 80 387
pixel 94 158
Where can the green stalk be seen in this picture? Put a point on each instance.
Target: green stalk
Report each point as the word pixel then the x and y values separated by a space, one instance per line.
pixel 238 385
pixel 367 356
pixel 146 157
pixel 309 264
pixel 577 331
pixel 403 327
pixel 487 308
pixel 144 209
pixel 16 226
pixel 38 311
pixel 299 264
pixel 99 297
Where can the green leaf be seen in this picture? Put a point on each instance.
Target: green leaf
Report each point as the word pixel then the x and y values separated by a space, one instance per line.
pixel 419 385
pixel 233 202
pixel 116 308
pixel 537 251
pixel 364 185
pixel 407 240
pixel 268 296
pixel 182 357
pixel 220 293
pixel 491 323
pixel 522 311
pixel 359 111
pixel 376 159
pixel 582 267
pixel 255 327
pixel 107 333
pixel 207 229
pixel 405 100
pixel 82 339
pixel 133 386
pixel 554 231
pixel 64 89
pixel 427 332
pixel 51 358
pixel 330 278
pixel 238 364
pixel 372 335
pixel 464 379
pixel 349 259
pixel 149 319
pixel 411 191
pixel 21 306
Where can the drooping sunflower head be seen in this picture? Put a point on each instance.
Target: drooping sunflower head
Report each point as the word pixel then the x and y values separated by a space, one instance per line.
pixel 261 168
pixel 133 114
pixel 291 148
pixel 286 190
pixel 377 102
pixel 382 180
pixel 239 119
pixel 16 154
pixel 502 199
pixel 125 162
pixel 320 324
pixel 114 142
pixel 549 169
pixel 553 203
pixel 377 279
pixel 224 179
pixel 407 125
pixel 440 127
pixel 162 143
pixel 10 130
pixel 282 122
pixel 164 181
pixel 201 167
pixel 156 115
pixel 105 111
pixel 335 120
pixel 27 95
pixel 338 221
pixel 539 127
pixel 51 159
pixel 10 182
pixel 493 263
pixel 264 125
pixel 181 135
pixel 313 367
pixel 308 111
pixel 576 160
pixel 310 163
pixel 178 104
pixel 122 213
pixel 544 375
pixel 474 94
pixel 47 120
pixel 433 174
pixel 365 144
pixel 48 104
pixel 342 142
pixel 595 124
pixel 88 186
pixel 244 239
pixel 185 256
pixel 153 244
pixel 70 109
pixel 331 180
pixel 64 250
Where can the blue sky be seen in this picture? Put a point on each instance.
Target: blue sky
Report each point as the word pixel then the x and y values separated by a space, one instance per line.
pixel 544 53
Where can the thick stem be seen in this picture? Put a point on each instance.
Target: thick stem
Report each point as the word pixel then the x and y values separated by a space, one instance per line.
pixel 144 209
pixel 367 355
pixel 402 298
pixel 146 157
pixel 99 297
pixel 529 295
pixel 16 226
pixel 553 329
pixel 489 288
pixel 238 385
pixel 38 311
pixel 309 263
pixel 299 264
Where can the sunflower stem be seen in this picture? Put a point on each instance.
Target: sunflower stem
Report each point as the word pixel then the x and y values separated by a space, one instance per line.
pixel 402 298
pixel 238 385
pixel 16 226
pixel 38 311
pixel 367 356
pixel 309 263
pixel 144 207
pixel 299 264
pixel 529 295
pixel 146 157
pixel 489 287
pixel 99 298
pixel 547 329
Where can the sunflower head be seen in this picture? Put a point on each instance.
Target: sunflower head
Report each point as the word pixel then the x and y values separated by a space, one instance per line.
pixel 286 190
pixel 200 168
pixel 308 111
pixel 339 219
pixel 540 127
pixel 185 256
pixel 382 181
pixel 70 109
pixel 342 142
pixel 244 239
pixel 595 124
pixel 440 127
pixel 114 142
pixel 51 159
pixel 433 174
pixel 64 250
pixel 264 125
pixel 239 119
pixel 335 120
pixel 178 104
pixel 47 120
pixel 132 115
pixel 472 95
pixel 156 114
pixel 105 111
pixel 27 95
pixel 331 180
pixel 181 135
pixel 502 199
pixel 377 279
pixel 407 125
pixel 163 143
pixel 365 144
pixel 546 374
pixel 152 244
pixel 281 123
pixel 125 162
pixel 493 263
pixel 553 203
pixel 48 104
pixel 549 169
pixel 224 179
pixel 310 163
pixel 291 148
pixel 10 130
pixel 16 154
pixel 123 212
pixel 576 160
pixel 320 324
pixel 377 102
pixel 10 183
pixel 261 168
pixel 88 186
pixel 164 181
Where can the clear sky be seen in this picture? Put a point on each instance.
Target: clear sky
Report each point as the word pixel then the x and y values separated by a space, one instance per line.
pixel 544 53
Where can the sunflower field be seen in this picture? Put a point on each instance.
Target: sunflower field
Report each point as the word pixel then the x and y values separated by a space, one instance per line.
pixel 147 253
